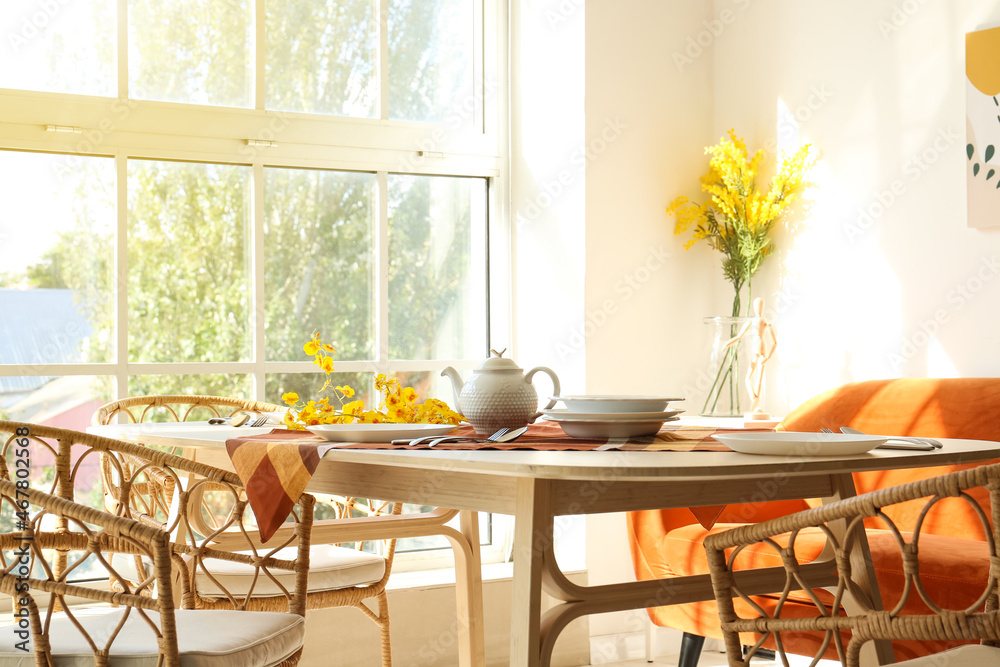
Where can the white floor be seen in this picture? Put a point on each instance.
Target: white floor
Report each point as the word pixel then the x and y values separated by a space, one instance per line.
pixel 624 651
pixel 706 660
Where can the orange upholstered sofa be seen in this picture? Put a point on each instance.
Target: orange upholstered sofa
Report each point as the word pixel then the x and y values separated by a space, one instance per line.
pixel 953 552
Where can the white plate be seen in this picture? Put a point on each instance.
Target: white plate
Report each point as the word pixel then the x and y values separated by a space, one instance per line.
pixel 377 432
pixel 562 414
pixel 607 404
pixel 610 429
pixel 789 443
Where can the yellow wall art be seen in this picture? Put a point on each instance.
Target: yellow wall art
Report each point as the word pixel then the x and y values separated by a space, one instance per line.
pixel 982 126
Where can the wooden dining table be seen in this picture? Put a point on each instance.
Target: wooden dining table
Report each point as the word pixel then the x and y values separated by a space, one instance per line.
pixel 538 486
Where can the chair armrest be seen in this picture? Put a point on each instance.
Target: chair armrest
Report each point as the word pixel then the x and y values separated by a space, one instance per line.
pixel 865 505
pixel 154 488
pixel 868 623
pixel 95 532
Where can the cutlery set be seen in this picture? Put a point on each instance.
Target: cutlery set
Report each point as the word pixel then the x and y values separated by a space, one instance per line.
pixel 895 441
pixel 501 435
pixel 240 420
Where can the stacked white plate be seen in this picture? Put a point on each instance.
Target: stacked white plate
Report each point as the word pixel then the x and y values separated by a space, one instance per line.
pixel 612 416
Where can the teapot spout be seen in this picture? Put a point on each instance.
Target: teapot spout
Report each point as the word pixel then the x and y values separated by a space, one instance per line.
pixel 456 385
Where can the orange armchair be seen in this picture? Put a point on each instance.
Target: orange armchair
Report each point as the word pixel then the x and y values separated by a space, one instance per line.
pixel 669 542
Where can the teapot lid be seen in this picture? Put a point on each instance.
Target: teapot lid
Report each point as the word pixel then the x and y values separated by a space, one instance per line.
pixel 497 362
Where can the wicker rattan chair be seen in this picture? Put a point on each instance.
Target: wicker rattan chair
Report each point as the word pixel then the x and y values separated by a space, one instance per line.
pixel 828 588
pixel 179 408
pixel 339 576
pixel 141 623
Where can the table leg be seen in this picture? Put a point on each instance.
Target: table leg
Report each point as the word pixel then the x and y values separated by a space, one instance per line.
pixel 469 593
pixel 532 535
pixel 877 652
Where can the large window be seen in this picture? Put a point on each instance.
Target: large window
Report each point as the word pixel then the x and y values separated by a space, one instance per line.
pixel 192 188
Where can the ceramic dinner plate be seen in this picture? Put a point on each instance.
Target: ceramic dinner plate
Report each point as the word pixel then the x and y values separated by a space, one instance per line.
pixel 789 443
pixel 605 404
pixel 378 432
pixel 598 429
pixel 562 414
pixel 611 428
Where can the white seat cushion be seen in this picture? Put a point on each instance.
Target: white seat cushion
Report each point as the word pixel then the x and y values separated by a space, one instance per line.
pixel 972 655
pixel 330 568
pixel 205 638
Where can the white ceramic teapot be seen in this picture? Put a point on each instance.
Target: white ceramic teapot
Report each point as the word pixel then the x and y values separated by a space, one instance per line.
pixel 498 394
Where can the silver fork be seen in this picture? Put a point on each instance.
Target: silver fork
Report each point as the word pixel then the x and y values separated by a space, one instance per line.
pixel 258 421
pixel 493 437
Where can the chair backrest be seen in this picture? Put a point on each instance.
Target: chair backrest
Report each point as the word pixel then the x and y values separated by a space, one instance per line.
pixel 85 533
pixel 156 489
pixel 179 408
pixel 975 617
pixel 935 408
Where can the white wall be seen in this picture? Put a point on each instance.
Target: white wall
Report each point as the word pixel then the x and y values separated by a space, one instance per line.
pixel 878 88
pixel 647 123
pixel 884 278
pixel 884 254
pixel 424 629
pixel 547 188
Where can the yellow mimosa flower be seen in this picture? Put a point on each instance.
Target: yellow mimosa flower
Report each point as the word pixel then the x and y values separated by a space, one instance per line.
pixel 738 216
pixel 398 404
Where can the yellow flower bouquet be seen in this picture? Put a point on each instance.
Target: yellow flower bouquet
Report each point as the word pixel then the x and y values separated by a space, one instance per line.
pixel 737 220
pixel 738 216
pixel 398 405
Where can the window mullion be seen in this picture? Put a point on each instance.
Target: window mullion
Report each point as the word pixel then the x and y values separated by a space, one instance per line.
pixel 382 274
pixel 121 276
pixel 260 50
pixel 383 58
pixel 122 44
pixel 257 296
pixel 479 87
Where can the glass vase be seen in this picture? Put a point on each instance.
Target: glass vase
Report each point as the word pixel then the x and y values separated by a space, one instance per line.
pixel 723 380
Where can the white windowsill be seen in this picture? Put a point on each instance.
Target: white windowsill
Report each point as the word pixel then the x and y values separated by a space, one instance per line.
pixel 446 576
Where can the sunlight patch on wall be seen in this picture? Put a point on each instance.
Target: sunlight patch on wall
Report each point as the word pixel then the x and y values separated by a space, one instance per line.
pixel 939 364
pixel 838 309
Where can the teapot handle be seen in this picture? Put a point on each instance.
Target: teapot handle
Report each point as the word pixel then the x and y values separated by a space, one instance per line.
pixel 555 388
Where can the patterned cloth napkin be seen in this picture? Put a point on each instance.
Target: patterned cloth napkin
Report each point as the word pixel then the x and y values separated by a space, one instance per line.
pixel 277 466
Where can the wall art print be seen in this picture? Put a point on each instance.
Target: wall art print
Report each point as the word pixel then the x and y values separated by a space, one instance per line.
pixel 982 127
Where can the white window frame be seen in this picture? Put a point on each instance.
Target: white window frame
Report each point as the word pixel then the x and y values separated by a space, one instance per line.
pixel 122 129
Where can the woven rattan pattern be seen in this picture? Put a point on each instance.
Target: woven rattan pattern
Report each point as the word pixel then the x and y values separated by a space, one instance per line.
pixel 137 527
pixel 329 511
pixel 979 621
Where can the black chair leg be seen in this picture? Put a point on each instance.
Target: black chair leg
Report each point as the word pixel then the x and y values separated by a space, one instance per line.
pixel 691 646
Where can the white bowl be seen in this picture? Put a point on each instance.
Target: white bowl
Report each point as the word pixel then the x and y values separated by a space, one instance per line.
pixel 597 429
pixel 562 414
pixel 605 404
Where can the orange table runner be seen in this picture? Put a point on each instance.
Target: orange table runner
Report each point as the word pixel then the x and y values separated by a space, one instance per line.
pixel 276 467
